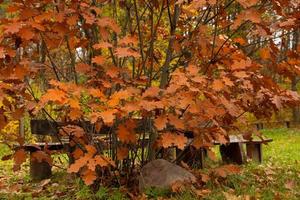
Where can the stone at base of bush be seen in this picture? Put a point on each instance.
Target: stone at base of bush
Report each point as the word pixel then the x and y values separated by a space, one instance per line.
pixel 162 174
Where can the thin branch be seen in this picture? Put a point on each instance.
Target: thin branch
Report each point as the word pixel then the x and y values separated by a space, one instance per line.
pixel 54 67
pixel 216 14
pixel 165 71
pixel 221 47
pixel 73 61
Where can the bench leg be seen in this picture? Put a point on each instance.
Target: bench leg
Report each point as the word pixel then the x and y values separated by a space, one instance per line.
pixel 254 152
pixel 192 156
pixel 39 170
pixel 232 153
pixel 259 126
pixel 288 124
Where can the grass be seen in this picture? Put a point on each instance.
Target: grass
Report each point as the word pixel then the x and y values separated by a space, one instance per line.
pixel 285 149
pixel 277 178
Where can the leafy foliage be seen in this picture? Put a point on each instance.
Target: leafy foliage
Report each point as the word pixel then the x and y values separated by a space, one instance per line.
pixel 120 74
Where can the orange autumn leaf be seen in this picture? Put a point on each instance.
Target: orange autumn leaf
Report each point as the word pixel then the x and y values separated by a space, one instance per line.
pixel 193 70
pixel 240 40
pixel 41 156
pixel 72 20
pixel 2 52
pixel 240 74
pixel 240 64
pixel 102 45
pixel 27 33
pixel 72 130
pixel 176 122
pixel 218 85
pixel 126 134
pixel 289 22
pixel 151 92
pixel 129 40
pixel 89 177
pixel 19 158
pixel 74 103
pixel 250 14
pixel 265 53
pixel 226 170
pixel 77 153
pixel 91 150
pixel 117 96
pixel 247 3
pixel 113 72
pixel 13 27
pixel 173 139
pixel 122 153
pixel 126 52
pixel 161 122
pixel 54 95
pixel 98 60
pixel 104 161
pixel 227 81
pixel 75 114
pixel 108 116
pixel 110 23
pixel 78 164
pixel 96 93
pixel 83 68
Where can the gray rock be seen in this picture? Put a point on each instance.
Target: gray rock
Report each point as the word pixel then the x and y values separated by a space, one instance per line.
pixel 162 174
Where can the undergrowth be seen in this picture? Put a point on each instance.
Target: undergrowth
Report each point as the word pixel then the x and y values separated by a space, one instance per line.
pixel 278 177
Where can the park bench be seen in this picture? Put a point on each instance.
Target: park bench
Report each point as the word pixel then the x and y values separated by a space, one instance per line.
pixel 42 169
pixel 237 151
pixel 234 152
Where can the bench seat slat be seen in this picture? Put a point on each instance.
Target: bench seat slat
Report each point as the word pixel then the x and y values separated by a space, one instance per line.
pixel 42 145
pixel 240 139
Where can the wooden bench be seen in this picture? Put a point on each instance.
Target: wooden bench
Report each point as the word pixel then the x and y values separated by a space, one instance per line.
pixel 42 169
pixel 233 152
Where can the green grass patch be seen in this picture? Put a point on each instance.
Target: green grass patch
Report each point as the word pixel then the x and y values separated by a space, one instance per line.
pixel 285 148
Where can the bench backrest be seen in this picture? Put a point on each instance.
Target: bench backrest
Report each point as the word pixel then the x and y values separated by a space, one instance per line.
pixel 43 127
